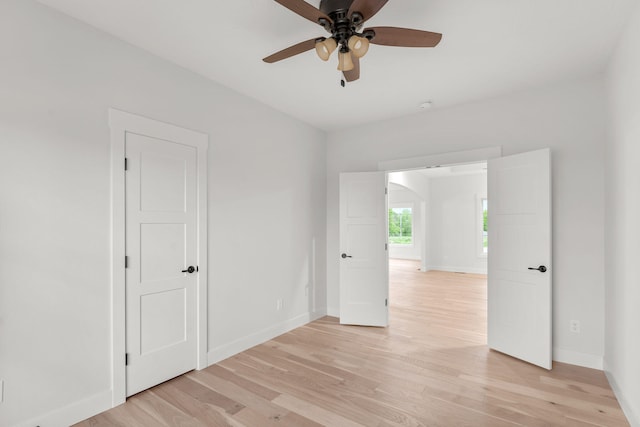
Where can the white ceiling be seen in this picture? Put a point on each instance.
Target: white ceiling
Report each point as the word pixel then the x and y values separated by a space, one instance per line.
pixel 489 47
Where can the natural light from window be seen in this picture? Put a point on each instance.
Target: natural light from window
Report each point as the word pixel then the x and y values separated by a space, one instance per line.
pixel 485 236
pixel 401 226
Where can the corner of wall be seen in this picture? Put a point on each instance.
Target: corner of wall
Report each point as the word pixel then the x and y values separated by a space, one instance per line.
pixel 333 312
pixel 224 351
pixel 627 408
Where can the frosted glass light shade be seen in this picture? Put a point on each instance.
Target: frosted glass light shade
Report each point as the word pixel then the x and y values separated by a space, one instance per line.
pixel 359 46
pixel 345 63
pixel 325 48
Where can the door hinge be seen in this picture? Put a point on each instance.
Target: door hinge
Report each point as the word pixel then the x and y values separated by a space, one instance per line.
pixel 126 359
pixel 126 262
pixel 126 164
pixel 386 246
pixel 386 190
pixel 386 302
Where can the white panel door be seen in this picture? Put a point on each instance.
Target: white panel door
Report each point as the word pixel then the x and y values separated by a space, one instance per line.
pixel 519 280
pixel 364 263
pixel 160 243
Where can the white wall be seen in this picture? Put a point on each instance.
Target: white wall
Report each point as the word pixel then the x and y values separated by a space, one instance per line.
pixel 622 227
pixel 266 194
pixel 453 223
pixel 567 117
pixel 402 197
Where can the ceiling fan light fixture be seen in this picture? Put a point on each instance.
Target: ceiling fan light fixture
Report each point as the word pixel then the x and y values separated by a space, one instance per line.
pixel 358 45
pixel 325 48
pixel 345 63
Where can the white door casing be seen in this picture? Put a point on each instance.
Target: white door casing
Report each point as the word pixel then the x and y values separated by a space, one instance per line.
pixel 159 222
pixel 519 227
pixel 364 263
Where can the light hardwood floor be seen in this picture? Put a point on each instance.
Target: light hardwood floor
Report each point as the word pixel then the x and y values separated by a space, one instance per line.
pixel 431 367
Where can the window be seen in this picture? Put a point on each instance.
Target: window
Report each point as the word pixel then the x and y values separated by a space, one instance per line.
pixel 482 224
pixel 401 226
pixel 485 236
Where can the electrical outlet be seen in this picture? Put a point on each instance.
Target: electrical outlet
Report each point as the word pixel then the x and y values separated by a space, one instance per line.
pixel 279 304
pixel 574 326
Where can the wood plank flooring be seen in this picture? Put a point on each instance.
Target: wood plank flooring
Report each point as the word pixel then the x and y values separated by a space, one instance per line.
pixel 431 367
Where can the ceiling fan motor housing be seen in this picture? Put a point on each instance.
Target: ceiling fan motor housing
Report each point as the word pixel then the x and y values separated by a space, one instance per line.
pixel 331 6
pixel 343 26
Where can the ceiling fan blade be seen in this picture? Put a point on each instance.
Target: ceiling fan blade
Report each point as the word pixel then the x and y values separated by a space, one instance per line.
pixel 291 51
pixel 367 8
pixel 304 9
pixel 404 37
pixel 353 74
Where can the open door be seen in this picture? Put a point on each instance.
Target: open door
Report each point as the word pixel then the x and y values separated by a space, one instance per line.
pixel 364 264
pixel 519 279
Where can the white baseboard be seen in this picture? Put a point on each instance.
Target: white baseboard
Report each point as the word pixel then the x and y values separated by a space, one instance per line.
pixel 577 358
pixel 225 351
pixel 73 413
pixel 632 417
pixel 333 312
pixel 471 270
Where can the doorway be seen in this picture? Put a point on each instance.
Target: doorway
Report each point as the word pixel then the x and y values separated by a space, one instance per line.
pixel 159 252
pixel 519 288
pixel 438 247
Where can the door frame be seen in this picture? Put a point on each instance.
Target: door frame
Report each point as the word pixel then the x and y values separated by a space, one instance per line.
pixel 120 123
pixel 421 162
pixel 443 159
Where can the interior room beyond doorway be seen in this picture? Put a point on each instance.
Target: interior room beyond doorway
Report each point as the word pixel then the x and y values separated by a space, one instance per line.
pixel 438 249
pixel 438 216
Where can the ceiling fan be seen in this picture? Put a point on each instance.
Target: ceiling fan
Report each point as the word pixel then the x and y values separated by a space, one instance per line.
pixel 343 19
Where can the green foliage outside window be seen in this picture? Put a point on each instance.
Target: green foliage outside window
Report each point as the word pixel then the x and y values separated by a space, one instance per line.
pixel 400 226
pixel 484 219
pixel 485 237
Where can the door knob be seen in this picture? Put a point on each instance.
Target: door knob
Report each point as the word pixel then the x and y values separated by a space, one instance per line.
pixel 190 269
pixel 346 256
pixel 541 269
